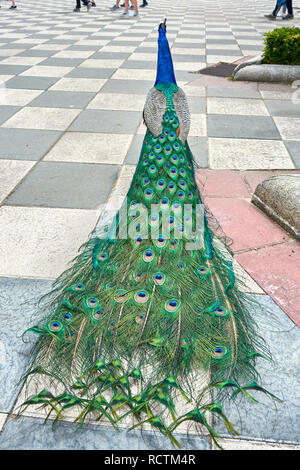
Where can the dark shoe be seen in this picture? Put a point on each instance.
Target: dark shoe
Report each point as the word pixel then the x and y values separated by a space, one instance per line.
pixel 114 8
pixel 13 7
pixel 123 5
pixel 131 7
pixel 76 9
pixel 93 4
pixel 288 17
pixel 144 4
pixel 270 17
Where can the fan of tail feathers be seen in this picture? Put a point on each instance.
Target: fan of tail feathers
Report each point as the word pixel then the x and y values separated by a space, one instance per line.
pixel 151 308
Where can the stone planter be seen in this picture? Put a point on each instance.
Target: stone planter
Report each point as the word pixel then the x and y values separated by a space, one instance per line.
pixel 279 198
pixel 254 71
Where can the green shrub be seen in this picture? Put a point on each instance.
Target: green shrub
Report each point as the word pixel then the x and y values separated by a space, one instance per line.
pixel 282 46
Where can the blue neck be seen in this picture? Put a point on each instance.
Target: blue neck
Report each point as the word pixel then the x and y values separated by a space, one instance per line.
pixel 165 70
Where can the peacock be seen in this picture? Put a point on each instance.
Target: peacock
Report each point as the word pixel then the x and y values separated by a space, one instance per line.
pixel 149 326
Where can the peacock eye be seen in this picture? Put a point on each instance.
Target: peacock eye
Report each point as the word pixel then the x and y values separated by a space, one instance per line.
pixel 148 256
pixel 219 352
pixel 140 318
pixel 172 305
pixel 78 287
pixel 141 297
pixel 66 317
pixel 55 326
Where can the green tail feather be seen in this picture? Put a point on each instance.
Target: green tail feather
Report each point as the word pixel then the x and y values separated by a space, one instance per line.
pixel 129 326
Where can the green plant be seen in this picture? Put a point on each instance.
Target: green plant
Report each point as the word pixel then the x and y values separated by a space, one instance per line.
pixel 282 46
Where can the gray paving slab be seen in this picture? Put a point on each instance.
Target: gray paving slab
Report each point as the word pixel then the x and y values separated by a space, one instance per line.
pixel 57 62
pixel 140 87
pixel 197 105
pixel 241 127
pixel 266 419
pixel 107 55
pixel 26 144
pixel 224 41
pixel 42 36
pixel 294 150
pixel 191 36
pixel 232 93
pixel 89 72
pixel 63 99
pixel 31 83
pixel 134 42
pixel 71 185
pixel 82 47
pixel 32 434
pixel 146 50
pixel 107 121
pixel 225 52
pixel 12 38
pixel 284 108
pixel 61 41
pixel 6 69
pixel 37 53
pixel 138 64
pixel 185 76
pixel 198 147
pixel 189 58
pixel 17 307
pixel 7 111
pixel 134 151
pixel 241 36
pixel 191 45
pixel 250 47
pixel 13 45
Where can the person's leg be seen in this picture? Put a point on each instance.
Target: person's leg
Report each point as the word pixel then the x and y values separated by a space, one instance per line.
pixel 276 9
pixel 289 4
pixel 78 5
pixel 134 3
pixel 13 5
pixel 274 13
pixel 126 7
pixel 116 5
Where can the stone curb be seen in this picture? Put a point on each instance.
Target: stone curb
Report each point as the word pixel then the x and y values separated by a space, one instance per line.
pixel 259 72
pixel 269 73
pixel 279 198
pixel 253 61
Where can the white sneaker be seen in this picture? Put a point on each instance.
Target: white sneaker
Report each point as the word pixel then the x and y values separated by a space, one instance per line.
pixel 133 14
pixel 124 13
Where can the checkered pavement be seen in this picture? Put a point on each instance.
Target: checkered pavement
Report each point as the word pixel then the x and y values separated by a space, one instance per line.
pixel 72 90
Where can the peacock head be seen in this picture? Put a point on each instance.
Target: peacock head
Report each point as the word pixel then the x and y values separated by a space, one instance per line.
pixel 165 70
pixel 166 96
